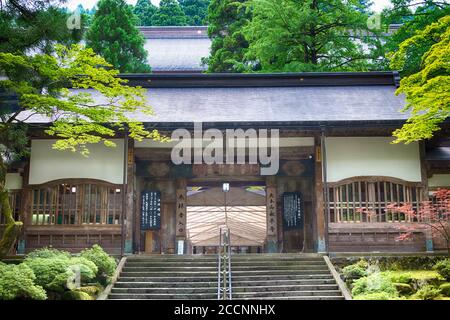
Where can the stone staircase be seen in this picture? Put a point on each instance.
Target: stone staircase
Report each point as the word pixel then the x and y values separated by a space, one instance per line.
pixel 254 277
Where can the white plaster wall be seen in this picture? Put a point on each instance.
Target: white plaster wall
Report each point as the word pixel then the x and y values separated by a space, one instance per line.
pixel 13 181
pixel 371 156
pixel 439 180
pixel 103 163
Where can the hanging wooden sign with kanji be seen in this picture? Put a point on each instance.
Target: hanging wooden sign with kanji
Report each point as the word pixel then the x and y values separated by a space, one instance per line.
pixel 271 211
pixel 181 213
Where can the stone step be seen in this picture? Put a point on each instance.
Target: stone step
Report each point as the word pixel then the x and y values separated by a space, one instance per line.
pixel 236 290
pixel 162 296
pixel 149 284
pixel 257 294
pixel 213 283
pixel 296 298
pixel 214 263
pixel 234 269
pixel 210 290
pixel 213 278
pixel 214 273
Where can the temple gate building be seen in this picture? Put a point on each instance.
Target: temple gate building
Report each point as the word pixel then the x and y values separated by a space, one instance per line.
pixel 336 163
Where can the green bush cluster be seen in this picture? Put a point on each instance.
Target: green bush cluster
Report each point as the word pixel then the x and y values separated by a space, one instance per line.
pixel 445 289
pixel 422 284
pixel 355 271
pixel 50 273
pixel 17 282
pixel 105 263
pixel 374 283
pixel 443 268
pixel 427 292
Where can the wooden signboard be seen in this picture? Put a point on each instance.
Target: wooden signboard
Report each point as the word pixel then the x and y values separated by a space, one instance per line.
pixel 150 210
pixel 181 213
pixel 271 211
pixel 292 211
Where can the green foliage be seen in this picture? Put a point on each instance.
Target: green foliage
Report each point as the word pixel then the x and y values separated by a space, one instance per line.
pixel 144 11
pixel 427 94
pixel 226 20
pixel 17 282
pixel 292 36
pixel 105 263
pixel 88 269
pixel 195 11
pixel 356 271
pixel 375 296
pixel 48 253
pixel 427 292
pixel 114 36
pixel 404 278
pixel 424 14
pixel 445 289
pixel 93 291
pixel 374 283
pixel 404 288
pixel 169 14
pixel 443 268
pixel 56 271
pixel 51 273
pixel 85 121
pixel 76 295
pixel 34 24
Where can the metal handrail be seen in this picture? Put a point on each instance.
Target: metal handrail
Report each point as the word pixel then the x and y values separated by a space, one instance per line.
pixel 224 287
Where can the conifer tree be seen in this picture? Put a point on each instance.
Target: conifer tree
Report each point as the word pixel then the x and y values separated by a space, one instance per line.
pixel 169 14
pixel 114 36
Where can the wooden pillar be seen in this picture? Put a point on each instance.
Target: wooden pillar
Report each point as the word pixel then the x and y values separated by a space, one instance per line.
pixel 271 216
pixel 130 199
pixel 319 198
pixel 181 212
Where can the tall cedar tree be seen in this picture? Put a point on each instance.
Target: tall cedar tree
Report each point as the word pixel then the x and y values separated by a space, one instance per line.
pixel 310 35
pixel 227 19
pixel 412 22
pixel 195 11
pixel 114 36
pixel 144 11
pixel 169 14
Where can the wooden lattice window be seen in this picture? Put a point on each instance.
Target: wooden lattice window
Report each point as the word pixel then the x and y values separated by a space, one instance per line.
pixel 365 199
pixel 76 204
pixel 14 202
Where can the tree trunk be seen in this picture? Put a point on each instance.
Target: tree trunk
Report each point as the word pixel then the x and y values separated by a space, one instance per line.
pixel 13 228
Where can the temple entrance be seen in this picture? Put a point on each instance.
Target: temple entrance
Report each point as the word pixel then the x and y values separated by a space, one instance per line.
pixel 239 207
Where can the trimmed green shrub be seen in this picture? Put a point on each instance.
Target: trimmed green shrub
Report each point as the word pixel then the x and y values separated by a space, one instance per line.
pixel 48 253
pixel 17 282
pixel 372 284
pixel 443 268
pixel 445 289
pixel 427 293
pixel 105 263
pixel 76 295
pixel 375 296
pixel 404 288
pixel 355 271
pixel 88 269
pixel 51 273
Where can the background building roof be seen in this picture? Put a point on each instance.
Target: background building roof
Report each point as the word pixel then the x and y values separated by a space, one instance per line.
pixel 176 49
